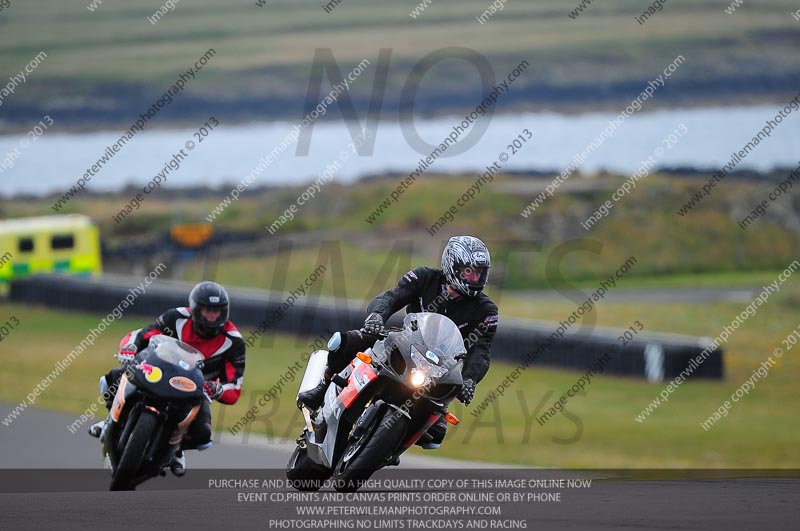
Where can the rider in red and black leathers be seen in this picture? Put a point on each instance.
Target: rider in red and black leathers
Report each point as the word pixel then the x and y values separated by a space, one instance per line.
pixel 224 353
pixel 455 290
pixel 218 340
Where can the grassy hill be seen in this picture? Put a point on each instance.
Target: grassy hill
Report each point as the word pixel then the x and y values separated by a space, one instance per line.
pixel 108 65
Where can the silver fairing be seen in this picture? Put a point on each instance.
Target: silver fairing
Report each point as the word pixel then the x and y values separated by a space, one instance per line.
pixel 315 370
pixel 332 410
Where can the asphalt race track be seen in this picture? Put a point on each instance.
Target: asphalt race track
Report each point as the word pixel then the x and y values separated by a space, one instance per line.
pixel 52 479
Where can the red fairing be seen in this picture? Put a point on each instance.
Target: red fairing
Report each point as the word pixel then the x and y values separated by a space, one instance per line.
pixel 349 393
pixel 415 437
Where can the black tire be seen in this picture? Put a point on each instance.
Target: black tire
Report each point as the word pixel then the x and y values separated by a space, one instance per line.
pixel 364 456
pixel 303 473
pixel 128 466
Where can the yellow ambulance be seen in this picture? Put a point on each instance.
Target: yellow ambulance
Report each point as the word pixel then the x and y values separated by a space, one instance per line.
pixel 66 243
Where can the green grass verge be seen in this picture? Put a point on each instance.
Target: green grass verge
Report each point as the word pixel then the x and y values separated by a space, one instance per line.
pixel 599 431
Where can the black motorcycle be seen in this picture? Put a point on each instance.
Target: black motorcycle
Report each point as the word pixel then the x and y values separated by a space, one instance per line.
pixel 158 397
pixel 380 405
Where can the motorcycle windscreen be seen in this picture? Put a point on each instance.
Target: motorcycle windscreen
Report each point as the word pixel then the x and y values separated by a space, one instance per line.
pixel 315 370
pixel 441 336
pixel 175 352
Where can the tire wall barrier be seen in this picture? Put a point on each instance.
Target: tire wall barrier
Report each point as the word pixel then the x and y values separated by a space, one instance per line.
pixel 655 357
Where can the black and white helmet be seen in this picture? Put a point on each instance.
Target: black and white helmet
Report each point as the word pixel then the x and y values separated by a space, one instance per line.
pixel 465 252
pixel 210 295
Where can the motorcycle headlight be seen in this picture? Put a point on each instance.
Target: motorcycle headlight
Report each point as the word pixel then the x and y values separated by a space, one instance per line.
pixel 418 378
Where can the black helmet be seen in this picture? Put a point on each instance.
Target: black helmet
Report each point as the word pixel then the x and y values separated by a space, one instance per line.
pixel 465 251
pixel 211 295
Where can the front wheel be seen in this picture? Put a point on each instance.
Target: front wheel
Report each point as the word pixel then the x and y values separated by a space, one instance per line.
pixel 370 451
pixel 303 473
pixel 128 466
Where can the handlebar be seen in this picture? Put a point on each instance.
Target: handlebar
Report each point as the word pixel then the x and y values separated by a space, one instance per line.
pixel 381 334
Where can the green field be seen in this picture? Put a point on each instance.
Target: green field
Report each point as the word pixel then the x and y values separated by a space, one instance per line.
pixel 111 62
pixel 600 430
pixel 705 248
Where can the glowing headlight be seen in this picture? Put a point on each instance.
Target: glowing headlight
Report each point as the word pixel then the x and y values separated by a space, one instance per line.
pixel 417 378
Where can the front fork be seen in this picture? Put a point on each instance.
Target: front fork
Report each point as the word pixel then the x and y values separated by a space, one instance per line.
pixel 433 418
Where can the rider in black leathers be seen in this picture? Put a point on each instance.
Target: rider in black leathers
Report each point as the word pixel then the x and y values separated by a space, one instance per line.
pixel 455 290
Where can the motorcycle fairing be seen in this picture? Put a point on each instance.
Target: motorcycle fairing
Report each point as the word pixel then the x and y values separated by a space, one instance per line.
pixel 361 375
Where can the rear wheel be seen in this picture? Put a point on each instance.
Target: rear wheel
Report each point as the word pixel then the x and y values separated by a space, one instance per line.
pixel 369 451
pixel 303 473
pixel 128 466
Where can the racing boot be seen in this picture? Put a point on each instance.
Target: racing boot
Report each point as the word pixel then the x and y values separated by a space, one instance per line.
pixel 97 428
pixel 178 464
pixel 315 397
pixel 432 439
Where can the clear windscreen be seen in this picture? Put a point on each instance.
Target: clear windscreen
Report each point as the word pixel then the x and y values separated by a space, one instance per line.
pixel 175 352
pixel 441 335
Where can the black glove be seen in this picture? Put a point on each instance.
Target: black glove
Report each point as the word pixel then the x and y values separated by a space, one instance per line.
pixel 212 389
pixel 467 391
pixel 374 324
